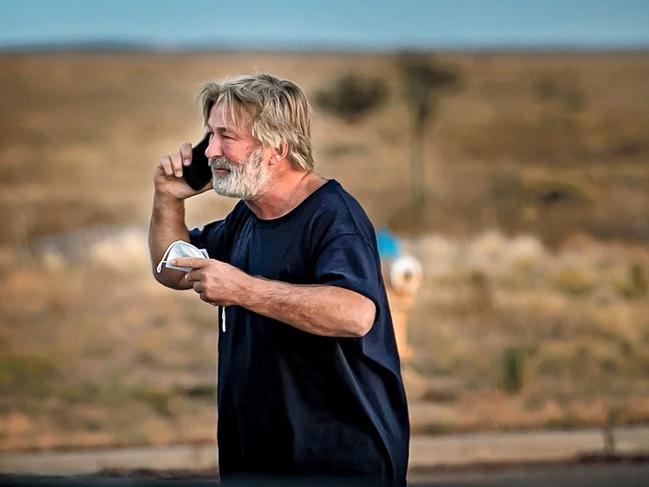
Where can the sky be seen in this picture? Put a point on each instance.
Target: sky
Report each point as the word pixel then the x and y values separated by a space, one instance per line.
pixel 344 24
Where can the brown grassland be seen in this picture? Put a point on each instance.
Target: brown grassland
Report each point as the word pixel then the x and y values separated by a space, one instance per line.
pixel 534 310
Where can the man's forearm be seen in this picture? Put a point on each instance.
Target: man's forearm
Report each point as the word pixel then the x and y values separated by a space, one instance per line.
pixel 167 225
pixel 319 309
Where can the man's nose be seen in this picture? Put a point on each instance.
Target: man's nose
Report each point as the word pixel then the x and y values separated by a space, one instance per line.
pixel 213 150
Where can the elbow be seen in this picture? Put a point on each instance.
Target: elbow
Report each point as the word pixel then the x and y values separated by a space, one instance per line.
pixel 172 282
pixel 164 282
pixel 161 278
pixel 365 318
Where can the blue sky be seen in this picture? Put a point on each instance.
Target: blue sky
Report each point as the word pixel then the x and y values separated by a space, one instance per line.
pixel 353 24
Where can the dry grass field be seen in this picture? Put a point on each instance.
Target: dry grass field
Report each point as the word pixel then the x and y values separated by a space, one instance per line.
pixel 534 310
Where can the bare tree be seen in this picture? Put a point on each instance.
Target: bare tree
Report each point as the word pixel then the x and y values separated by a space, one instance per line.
pixel 426 81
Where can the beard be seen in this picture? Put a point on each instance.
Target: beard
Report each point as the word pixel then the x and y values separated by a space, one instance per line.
pixel 244 180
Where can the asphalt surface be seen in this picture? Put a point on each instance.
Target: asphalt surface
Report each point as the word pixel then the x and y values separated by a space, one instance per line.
pixel 427 453
pixel 608 475
pixel 627 474
pixel 503 459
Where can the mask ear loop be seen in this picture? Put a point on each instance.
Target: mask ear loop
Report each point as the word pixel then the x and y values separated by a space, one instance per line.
pixel 164 260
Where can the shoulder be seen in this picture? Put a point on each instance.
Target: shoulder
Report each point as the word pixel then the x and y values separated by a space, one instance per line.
pixel 229 223
pixel 337 212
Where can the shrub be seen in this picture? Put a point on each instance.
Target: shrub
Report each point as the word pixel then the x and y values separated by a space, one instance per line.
pixel 353 97
pixel 513 369
pixel 27 372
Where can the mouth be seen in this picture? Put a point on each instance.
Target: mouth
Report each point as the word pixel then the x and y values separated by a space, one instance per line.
pixel 221 171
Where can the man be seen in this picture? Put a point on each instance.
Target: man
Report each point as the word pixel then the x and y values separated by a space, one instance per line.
pixel 309 382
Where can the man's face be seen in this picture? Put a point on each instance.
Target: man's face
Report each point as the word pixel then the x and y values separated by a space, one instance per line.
pixel 238 161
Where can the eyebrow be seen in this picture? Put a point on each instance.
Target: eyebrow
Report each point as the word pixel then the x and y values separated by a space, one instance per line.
pixel 221 129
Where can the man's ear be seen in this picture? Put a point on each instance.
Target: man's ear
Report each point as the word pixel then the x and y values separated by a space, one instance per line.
pixel 280 152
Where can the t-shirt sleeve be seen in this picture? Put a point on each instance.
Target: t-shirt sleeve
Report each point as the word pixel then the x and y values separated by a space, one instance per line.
pixel 214 237
pixel 348 261
pixel 217 237
pixel 198 236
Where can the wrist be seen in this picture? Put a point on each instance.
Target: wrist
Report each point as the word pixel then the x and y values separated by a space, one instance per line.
pixel 162 199
pixel 248 290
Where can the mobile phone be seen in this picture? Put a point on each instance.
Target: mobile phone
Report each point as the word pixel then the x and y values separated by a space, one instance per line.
pixel 198 173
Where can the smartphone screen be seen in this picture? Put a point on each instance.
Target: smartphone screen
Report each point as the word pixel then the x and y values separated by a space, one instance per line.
pixel 198 173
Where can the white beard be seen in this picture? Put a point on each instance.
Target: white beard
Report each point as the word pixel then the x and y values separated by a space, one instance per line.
pixel 245 180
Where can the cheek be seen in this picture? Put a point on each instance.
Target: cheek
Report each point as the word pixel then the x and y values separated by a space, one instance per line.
pixel 233 151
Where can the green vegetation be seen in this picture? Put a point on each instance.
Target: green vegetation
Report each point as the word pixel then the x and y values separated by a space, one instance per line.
pixel 638 282
pixel 27 373
pixel 352 97
pixel 513 364
pixel 201 391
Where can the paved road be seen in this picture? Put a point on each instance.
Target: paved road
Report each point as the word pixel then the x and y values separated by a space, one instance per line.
pixel 469 460
pixel 599 475
pixel 606 475
pixel 425 452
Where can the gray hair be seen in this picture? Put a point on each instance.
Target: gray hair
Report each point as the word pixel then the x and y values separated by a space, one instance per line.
pixel 278 110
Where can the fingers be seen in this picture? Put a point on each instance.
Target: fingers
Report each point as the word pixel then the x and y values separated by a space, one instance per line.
pixel 193 262
pixel 178 158
pixel 186 153
pixel 200 290
pixel 172 164
pixel 167 167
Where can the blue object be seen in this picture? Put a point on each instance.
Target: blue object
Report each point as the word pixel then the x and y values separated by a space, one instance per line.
pixel 389 246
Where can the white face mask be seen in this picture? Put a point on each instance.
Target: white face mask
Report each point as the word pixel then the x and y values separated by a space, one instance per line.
pixel 180 248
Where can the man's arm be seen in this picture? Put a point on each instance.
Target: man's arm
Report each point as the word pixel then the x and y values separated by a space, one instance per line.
pixel 168 214
pixel 318 309
pixel 167 225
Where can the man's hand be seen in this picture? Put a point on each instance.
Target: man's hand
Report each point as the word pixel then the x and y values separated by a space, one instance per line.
pixel 216 282
pixel 318 309
pixel 168 178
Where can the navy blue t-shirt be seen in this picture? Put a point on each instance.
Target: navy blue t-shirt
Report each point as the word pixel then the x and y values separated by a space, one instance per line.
pixel 295 404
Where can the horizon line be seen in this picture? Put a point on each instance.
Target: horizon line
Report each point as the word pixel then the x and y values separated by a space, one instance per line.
pixel 108 45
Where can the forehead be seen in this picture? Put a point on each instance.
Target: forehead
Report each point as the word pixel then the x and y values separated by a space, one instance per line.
pixel 220 118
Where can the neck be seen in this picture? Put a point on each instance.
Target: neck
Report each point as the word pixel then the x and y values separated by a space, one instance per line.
pixel 284 194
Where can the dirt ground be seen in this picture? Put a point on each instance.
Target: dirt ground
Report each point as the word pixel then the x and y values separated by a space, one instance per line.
pixel 533 238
